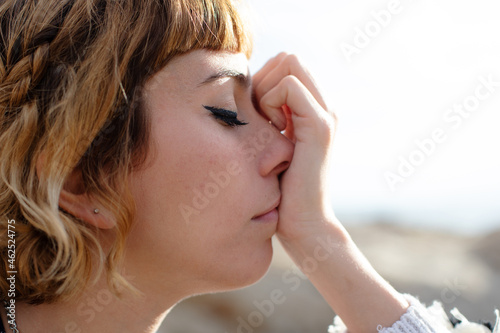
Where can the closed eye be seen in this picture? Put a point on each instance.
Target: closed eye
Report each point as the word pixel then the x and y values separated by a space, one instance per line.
pixel 229 118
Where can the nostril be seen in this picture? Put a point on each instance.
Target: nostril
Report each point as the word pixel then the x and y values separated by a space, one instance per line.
pixel 280 168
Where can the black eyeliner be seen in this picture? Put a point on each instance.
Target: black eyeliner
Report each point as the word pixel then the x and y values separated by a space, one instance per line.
pixel 228 117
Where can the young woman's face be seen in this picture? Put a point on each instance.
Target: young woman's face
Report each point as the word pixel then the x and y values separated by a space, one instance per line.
pixel 209 180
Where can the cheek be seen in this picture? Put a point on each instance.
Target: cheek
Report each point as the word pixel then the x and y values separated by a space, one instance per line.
pixel 194 204
pixel 209 184
pixel 195 181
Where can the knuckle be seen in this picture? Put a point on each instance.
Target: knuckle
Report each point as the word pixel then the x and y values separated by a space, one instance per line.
pixel 333 116
pixel 326 135
pixel 326 128
pixel 290 80
pixel 293 59
pixel 330 128
pixel 294 62
pixel 282 55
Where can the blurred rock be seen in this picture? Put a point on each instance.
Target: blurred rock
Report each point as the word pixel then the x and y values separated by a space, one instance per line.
pixel 488 249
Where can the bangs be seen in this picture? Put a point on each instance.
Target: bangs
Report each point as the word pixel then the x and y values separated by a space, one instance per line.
pixel 72 74
pixel 214 25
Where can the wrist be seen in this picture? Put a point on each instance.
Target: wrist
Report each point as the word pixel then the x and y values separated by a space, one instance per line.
pixel 315 240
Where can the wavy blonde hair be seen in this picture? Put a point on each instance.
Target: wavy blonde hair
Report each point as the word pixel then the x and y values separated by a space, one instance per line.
pixel 71 73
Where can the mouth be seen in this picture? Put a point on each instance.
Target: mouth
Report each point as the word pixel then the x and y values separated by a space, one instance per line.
pixel 270 214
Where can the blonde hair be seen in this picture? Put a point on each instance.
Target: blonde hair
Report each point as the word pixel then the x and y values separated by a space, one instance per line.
pixel 71 73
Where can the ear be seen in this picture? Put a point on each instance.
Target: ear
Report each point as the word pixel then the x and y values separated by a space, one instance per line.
pixel 82 206
pixel 74 200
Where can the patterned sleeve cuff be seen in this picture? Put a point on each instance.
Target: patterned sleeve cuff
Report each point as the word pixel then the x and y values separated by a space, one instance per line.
pixel 419 319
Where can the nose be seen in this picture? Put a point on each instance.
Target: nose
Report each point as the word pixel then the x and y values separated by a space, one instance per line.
pixel 277 153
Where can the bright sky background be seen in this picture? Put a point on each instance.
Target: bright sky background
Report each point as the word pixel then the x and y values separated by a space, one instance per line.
pixel 398 89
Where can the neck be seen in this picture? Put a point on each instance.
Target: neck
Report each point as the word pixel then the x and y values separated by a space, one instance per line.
pixel 97 310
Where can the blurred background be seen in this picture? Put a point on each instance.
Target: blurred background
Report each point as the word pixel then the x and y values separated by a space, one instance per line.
pixel 416 87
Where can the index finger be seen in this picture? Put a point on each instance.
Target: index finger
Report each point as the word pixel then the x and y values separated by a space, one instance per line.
pixel 277 70
pixel 270 64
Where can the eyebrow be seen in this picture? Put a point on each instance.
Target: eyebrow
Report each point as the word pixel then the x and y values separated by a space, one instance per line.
pixel 241 78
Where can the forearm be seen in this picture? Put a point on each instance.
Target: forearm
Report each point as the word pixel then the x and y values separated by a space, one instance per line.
pixel 288 97
pixel 347 281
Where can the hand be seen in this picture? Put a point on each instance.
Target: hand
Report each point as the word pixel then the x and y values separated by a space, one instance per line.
pixel 287 95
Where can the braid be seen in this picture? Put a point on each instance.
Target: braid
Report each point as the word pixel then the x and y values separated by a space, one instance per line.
pixel 71 79
pixel 48 49
pixel 16 84
pixel 26 35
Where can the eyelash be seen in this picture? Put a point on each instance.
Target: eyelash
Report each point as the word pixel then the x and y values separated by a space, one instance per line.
pixel 228 117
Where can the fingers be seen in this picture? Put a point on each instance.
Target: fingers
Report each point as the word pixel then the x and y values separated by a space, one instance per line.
pixel 287 95
pixel 308 118
pixel 279 67
pixel 289 131
pixel 270 64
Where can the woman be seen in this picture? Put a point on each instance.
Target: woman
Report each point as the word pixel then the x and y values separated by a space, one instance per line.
pixel 142 164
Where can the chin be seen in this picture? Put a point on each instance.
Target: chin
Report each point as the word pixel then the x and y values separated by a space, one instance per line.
pixel 252 270
pixel 258 266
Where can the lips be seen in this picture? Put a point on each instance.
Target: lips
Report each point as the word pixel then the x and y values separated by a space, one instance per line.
pixel 269 213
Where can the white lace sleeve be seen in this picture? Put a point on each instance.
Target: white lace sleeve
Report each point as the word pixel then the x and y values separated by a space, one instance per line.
pixel 419 319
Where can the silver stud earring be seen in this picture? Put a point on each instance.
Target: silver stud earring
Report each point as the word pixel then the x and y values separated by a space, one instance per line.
pixel 96 211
